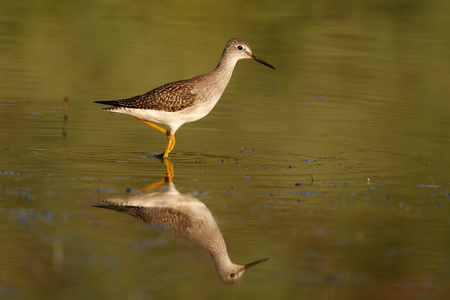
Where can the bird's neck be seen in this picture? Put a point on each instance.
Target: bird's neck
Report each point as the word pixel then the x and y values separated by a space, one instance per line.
pixel 220 256
pixel 222 73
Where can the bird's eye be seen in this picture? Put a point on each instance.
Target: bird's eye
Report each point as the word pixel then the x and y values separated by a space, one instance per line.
pixel 232 274
pixel 240 47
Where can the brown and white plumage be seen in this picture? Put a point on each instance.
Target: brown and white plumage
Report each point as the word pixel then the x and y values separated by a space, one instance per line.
pixel 170 97
pixel 179 102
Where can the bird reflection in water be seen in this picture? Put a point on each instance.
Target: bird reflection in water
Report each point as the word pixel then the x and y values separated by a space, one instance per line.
pixel 183 215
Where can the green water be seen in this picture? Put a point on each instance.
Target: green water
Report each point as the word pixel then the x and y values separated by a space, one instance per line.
pixel 335 165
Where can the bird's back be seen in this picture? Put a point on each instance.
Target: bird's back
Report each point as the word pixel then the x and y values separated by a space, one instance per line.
pixel 171 97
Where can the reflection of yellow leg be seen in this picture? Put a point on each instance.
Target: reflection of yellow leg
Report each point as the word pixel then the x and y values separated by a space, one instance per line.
pixel 153 185
pixel 169 171
pixel 169 176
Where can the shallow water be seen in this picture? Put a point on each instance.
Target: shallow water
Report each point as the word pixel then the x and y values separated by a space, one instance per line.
pixel 335 165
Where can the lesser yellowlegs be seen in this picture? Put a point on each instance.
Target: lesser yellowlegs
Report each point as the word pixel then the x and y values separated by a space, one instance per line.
pixel 179 102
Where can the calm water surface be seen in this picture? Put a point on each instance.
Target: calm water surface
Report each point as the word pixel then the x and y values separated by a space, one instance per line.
pixel 335 165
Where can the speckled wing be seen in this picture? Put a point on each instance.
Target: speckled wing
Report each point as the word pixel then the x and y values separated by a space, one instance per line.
pixel 170 97
pixel 161 217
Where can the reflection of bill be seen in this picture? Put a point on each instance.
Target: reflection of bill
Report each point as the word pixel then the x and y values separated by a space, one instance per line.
pixel 183 215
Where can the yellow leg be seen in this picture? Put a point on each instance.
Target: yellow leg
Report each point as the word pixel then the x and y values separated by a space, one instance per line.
pixel 170 144
pixel 154 126
pixel 170 137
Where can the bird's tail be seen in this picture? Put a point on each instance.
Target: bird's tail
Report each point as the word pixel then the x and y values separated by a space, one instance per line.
pixel 109 102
